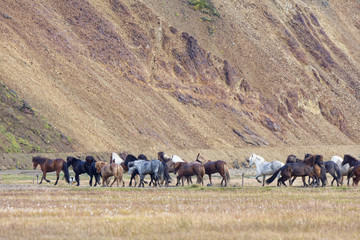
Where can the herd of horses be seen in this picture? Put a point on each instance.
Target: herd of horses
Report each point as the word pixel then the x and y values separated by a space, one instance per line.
pixel 312 166
pixel 159 169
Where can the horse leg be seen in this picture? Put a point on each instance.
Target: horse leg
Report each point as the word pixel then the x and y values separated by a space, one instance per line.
pixel 292 181
pixel 257 178
pixel 57 177
pixel 141 180
pixel 223 175
pixel 210 180
pixel 44 177
pixel 130 183
pixel 90 182
pixel 304 182
pixel 97 179
pixel 189 178
pixel 282 181
pixel 115 179
pixel 77 179
pixel 263 180
pixel 177 181
pixel 103 181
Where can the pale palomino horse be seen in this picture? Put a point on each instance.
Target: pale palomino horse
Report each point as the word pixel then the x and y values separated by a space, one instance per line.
pixel 263 167
pixel 116 158
pixel 344 169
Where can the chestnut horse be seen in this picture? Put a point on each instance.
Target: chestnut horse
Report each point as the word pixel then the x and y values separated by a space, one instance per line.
pixel 51 165
pixel 184 169
pixel 212 167
pixel 109 170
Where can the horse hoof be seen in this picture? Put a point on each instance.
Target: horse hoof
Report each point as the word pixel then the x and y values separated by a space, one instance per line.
pixel 209 185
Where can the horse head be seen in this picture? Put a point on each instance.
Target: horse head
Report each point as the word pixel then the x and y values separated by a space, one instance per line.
pixel 319 161
pixel 253 159
pixel 350 160
pixel 131 167
pixel 35 165
pixel 90 159
pixel 163 157
pixel 99 165
pixel 69 161
pixel 311 160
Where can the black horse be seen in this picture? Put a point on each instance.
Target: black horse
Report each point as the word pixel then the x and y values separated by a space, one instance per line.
pixel 92 170
pixel 79 167
pixel 334 170
pixel 353 162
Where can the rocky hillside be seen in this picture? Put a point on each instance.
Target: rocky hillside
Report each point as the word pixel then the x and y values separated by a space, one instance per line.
pixel 155 75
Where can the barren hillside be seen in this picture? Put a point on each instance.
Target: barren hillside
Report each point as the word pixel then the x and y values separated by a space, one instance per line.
pixel 156 75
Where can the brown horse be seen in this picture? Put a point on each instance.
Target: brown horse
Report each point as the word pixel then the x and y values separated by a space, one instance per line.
pixel 51 165
pixel 109 170
pixel 212 167
pixel 184 169
pixel 163 157
pixel 355 174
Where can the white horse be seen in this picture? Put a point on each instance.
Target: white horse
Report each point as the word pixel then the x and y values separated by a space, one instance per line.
pixel 116 158
pixel 263 167
pixel 176 159
pixel 344 169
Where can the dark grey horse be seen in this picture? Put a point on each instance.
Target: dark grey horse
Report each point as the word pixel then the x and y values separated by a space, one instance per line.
pixel 334 171
pixel 153 167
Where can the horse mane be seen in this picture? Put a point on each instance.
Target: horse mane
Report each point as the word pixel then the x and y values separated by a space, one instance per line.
pixel 176 159
pixel 163 157
pixel 313 159
pixel 40 159
pixel 143 157
pixel 90 159
pixel 349 157
pixel 73 159
pixel 129 158
pixel 115 156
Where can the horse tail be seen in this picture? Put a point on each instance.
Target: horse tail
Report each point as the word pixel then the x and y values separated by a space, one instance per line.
pixel 161 171
pixel 338 172
pixel 166 172
pixel 272 178
pixel 65 169
pixel 227 173
pixel 201 173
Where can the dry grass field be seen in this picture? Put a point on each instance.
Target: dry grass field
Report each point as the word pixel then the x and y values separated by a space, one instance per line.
pixel 30 211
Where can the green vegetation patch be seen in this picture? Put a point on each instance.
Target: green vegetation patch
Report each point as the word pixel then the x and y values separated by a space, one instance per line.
pixel 204 6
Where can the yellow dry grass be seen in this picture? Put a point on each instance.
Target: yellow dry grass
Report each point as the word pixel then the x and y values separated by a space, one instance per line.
pixel 30 211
